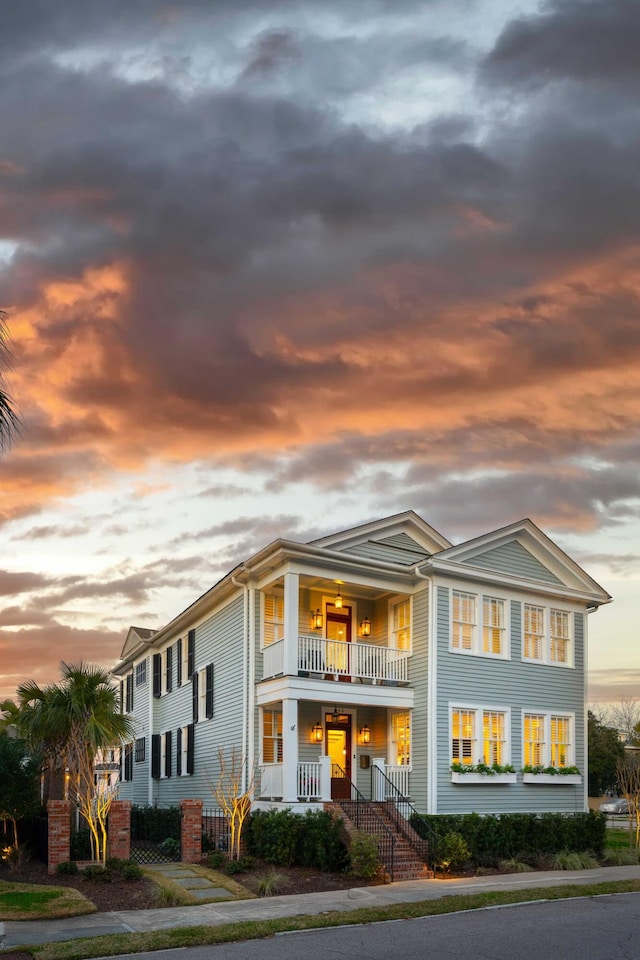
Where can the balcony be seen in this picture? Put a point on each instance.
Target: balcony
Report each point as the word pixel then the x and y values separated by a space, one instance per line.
pixel 336 660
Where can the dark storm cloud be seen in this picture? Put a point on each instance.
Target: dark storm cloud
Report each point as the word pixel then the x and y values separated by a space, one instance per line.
pixel 581 39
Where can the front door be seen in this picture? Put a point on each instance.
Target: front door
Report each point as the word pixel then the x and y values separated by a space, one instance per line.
pixel 338 653
pixel 338 748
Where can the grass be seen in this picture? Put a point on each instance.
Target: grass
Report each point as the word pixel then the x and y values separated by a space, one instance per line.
pixel 171 894
pixel 26 901
pixel 258 929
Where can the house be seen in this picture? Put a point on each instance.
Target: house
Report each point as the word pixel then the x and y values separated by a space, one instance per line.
pixel 381 659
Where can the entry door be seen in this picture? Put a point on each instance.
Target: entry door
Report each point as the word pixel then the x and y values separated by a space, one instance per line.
pixel 338 748
pixel 338 654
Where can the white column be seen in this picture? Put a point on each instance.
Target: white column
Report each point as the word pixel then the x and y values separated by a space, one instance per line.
pixel 291 602
pixel 381 764
pixel 325 779
pixel 290 750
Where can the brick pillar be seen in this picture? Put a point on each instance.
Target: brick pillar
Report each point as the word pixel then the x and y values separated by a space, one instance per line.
pixel 191 830
pixel 119 842
pixel 59 833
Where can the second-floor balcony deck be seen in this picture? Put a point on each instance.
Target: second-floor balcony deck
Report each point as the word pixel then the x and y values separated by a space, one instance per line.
pixel 338 660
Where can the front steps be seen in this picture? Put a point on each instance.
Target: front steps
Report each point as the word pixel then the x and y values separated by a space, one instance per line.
pixel 407 864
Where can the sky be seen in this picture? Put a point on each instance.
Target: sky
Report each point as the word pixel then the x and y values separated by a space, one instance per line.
pixel 278 268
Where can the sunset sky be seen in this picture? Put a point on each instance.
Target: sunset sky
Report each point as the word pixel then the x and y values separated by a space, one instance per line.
pixel 278 268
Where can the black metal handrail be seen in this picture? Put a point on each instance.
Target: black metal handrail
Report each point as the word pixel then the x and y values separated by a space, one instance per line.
pixel 400 809
pixel 365 817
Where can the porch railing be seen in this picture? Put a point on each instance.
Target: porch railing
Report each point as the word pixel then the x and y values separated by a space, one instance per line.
pixel 363 816
pixel 271 780
pixel 397 806
pixel 396 782
pixel 309 774
pixel 309 780
pixel 332 659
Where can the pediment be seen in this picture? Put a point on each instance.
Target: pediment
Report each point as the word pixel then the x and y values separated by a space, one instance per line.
pixel 137 638
pixel 404 538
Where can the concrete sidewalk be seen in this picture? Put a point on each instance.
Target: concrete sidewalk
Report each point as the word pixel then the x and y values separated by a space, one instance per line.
pixel 32 932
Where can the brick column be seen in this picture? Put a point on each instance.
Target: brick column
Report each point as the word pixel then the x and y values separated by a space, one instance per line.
pixel 59 833
pixel 119 841
pixel 191 830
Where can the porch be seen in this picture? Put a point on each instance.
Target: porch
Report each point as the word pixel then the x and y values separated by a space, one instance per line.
pixel 314 780
pixel 339 660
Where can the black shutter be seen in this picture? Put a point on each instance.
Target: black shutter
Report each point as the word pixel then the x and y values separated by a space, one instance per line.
pixel 169 675
pixel 209 692
pixel 179 752
pixel 179 659
pixel 129 694
pixel 122 696
pixel 155 756
pixel 157 675
pixel 190 748
pixel 194 697
pixel 191 654
pixel 128 761
pixel 167 753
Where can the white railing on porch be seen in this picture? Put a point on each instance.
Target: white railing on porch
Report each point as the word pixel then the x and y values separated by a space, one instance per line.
pixel 365 661
pixel 271 780
pixel 309 781
pixel 273 663
pixel 399 777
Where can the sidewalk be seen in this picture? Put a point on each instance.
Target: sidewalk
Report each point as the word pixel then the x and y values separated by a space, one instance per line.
pixel 32 932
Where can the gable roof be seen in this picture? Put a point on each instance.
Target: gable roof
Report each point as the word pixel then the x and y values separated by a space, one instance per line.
pixel 523 552
pixel 403 538
pixel 137 639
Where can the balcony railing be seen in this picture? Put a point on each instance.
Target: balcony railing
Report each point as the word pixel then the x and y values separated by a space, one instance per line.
pixel 332 659
pixel 309 778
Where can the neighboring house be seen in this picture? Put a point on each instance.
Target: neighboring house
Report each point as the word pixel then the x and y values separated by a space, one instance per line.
pixel 381 649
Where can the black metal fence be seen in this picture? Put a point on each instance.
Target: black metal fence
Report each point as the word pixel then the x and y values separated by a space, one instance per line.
pixel 156 834
pixel 215 830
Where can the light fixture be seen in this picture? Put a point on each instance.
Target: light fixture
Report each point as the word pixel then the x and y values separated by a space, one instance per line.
pixel 316 733
pixel 338 601
pixel 335 716
pixel 316 620
pixel 365 734
pixel 365 627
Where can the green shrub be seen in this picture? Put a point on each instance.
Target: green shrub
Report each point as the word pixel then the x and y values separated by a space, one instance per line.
pixel 620 857
pixel 273 836
pixel 321 842
pixel 515 865
pixel 80 847
pixel 67 867
pixel 574 860
pixel 170 846
pixel 216 859
pixel 270 882
pixel 452 851
pixel 97 872
pixel 286 839
pixel 364 855
pixel 239 866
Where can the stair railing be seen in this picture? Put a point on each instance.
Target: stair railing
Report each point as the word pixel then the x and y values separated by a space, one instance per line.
pixel 403 814
pixel 362 813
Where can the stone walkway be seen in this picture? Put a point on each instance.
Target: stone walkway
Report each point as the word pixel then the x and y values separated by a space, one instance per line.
pixel 188 878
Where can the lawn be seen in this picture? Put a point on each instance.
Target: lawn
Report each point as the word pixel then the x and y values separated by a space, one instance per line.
pixel 25 901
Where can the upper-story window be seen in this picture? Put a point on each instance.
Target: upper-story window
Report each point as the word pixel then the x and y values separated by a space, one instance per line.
pixel 273 617
pixel 547 635
pixel 491 640
pixel 401 624
pixel 141 673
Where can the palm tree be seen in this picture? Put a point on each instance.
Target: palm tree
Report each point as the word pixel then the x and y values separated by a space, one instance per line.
pixel 9 424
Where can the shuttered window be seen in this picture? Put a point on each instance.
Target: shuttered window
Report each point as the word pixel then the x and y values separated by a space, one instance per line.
pixel 273 617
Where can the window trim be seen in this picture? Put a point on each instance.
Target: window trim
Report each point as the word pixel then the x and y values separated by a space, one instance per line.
pixel 546 639
pixel 141 673
pixel 480 709
pixel 277 740
pixel 140 749
pixel 477 624
pixel 394 715
pixel 394 603
pixel 547 746
pixel 275 622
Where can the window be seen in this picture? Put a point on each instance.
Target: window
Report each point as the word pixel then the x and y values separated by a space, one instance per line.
pixel 401 624
pixel 493 625
pixel 548 740
pixel 273 618
pixel 141 673
pixel 157 675
pixel 129 693
pixel 547 635
pixel 533 632
pixel 463 620
pixel 203 693
pixel 466 724
pixel 401 739
pixel 272 736
pixel 466 637
pixel 140 749
pixel 184 750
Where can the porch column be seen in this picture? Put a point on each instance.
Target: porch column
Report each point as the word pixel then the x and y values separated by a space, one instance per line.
pixel 380 764
pixel 289 749
pixel 291 602
pixel 325 779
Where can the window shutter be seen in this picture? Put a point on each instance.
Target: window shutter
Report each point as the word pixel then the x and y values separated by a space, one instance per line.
pixel 122 696
pixel 191 654
pixel 194 697
pixel 179 659
pixel 209 692
pixel 129 693
pixel 157 675
pixel 190 748
pixel 169 676
pixel 155 756
pixel 167 753
pixel 128 761
pixel 179 752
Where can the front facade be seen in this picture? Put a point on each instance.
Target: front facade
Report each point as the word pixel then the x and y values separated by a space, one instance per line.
pixel 376 661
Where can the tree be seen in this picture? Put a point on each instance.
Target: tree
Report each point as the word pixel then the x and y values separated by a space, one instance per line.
pixel 8 419
pixel 232 799
pixel 628 773
pixel 625 715
pixel 19 782
pixel 605 750
pixel 71 720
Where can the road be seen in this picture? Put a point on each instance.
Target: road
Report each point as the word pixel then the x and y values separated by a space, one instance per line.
pixel 595 928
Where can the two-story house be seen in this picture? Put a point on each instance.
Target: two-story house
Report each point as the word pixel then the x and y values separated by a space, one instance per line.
pixel 383 650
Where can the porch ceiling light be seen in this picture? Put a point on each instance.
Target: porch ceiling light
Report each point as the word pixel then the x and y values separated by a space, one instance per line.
pixel 338 601
pixel 365 734
pixel 316 620
pixel 316 733
pixel 365 627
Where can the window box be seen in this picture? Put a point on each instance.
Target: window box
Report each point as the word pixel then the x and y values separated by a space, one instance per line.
pixel 457 777
pixel 555 778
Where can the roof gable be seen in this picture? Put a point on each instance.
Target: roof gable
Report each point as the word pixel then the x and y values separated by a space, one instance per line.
pixel 137 638
pixel 523 552
pixel 404 539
